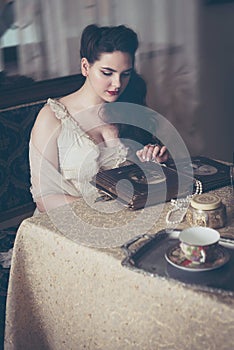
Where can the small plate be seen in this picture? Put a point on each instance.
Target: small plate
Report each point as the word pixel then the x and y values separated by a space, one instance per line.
pixel 175 257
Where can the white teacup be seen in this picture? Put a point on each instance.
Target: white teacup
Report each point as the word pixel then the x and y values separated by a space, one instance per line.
pixel 198 243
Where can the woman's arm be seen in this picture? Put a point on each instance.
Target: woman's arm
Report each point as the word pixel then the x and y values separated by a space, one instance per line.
pixel 44 138
pixel 45 133
pixel 53 201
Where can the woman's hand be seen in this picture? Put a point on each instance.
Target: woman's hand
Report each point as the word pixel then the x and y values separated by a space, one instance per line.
pixel 155 153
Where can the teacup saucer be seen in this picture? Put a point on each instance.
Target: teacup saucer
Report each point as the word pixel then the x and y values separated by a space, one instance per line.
pixel 175 257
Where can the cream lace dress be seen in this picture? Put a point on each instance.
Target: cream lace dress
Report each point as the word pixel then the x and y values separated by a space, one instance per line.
pixel 80 158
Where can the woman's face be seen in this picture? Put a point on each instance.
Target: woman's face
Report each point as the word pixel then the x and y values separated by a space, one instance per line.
pixel 109 76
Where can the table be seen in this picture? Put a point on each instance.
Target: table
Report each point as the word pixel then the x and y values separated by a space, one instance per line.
pixel 68 291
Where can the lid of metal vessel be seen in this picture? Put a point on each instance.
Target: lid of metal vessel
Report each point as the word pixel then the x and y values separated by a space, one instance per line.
pixel 205 201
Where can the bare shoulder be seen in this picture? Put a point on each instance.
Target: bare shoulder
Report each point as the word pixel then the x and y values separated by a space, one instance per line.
pixel 46 126
pixel 46 118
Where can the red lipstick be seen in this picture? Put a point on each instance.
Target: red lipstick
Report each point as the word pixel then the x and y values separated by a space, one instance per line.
pixel 113 93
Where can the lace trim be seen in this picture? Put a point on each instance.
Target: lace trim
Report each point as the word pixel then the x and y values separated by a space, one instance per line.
pixel 58 108
pixel 122 155
pixel 62 112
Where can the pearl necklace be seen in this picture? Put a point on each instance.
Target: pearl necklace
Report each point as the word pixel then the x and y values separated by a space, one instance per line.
pixel 181 205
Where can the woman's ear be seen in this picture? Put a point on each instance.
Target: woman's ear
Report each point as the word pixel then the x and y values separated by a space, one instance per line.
pixel 84 67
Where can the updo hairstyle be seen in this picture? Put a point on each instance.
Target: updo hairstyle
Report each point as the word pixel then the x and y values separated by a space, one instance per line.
pixel 96 40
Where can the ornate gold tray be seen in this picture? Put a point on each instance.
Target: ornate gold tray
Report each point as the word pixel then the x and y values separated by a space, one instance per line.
pixel 148 257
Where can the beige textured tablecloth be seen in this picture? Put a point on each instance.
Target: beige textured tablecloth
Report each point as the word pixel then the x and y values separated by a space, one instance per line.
pixel 73 293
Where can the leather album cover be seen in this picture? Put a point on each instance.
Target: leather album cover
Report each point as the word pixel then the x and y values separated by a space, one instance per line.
pixel 140 186
pixel 150 183
pixel 212 174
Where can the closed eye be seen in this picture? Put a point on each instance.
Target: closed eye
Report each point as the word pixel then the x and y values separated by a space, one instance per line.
pixel 106 73
pixel 109 73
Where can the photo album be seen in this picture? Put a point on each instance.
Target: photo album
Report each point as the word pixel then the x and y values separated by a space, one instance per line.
pixel 145 184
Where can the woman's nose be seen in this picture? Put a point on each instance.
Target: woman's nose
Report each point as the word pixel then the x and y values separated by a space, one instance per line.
pixel 116 82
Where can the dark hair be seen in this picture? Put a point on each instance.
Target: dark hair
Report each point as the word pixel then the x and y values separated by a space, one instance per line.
pixel 136 90
pixel 96 40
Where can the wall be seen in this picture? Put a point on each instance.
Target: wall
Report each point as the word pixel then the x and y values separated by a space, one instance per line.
pixel 216 56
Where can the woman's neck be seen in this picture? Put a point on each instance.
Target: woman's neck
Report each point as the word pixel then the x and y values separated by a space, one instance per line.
pixel 87 96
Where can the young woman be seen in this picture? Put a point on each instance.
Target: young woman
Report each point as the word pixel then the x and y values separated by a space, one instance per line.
pixel 70 142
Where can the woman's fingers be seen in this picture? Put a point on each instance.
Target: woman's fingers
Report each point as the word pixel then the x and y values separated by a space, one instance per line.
pixel 153 152
pixel 163 155
pixel 139 154
pixel 156 151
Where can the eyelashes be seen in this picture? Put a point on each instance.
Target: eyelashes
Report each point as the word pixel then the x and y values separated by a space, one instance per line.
pixel 108 74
